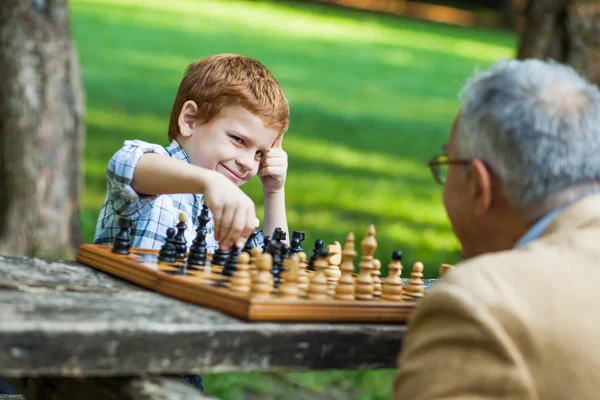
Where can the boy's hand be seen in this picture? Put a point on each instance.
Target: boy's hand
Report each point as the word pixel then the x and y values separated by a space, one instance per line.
pixel 233 211
pixel 273 168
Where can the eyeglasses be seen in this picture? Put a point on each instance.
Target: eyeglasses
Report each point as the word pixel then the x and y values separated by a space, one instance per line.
pixel 439 167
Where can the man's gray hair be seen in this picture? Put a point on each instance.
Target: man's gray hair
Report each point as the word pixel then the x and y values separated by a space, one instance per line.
pixel 536 125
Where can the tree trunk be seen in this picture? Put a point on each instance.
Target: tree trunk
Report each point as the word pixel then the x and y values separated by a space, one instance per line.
pixel 566 31
pixel 41 130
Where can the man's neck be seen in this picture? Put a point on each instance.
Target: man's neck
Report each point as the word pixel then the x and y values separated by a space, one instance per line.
pixel 500 234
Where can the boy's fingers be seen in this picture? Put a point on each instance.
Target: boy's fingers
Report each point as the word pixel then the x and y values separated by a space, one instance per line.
pixel 226 226
pixel 237 227
pixel 278 142
pixel 266 171
pixel 217 212
pixel 251 223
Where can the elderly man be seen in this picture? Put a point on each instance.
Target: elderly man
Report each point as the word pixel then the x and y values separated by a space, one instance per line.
pixel 518 319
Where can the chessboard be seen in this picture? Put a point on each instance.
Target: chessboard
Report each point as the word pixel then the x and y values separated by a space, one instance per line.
pixel 273 283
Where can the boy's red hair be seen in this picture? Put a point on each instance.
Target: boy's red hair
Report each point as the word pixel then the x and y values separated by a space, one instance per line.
pixel 229 79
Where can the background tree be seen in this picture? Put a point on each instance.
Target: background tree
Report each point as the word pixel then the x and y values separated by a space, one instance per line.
pixel 564 30
pixel 41 130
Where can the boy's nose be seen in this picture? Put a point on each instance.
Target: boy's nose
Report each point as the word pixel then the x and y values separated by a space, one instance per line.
pixel 246 161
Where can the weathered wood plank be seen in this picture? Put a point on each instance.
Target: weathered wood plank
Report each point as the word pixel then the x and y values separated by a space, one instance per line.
pixel 148 388
pixel 65 319
pixel 40 274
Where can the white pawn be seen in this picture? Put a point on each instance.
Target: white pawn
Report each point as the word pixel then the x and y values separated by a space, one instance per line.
pixel 376 273
pixel 241 280
pixel 317 289
pixel 415 288
pixel 255 255
pixel 262 283
pixel 302 277
pixel 364 281
pixel 289 285
pixel 392 286
pixel 345 287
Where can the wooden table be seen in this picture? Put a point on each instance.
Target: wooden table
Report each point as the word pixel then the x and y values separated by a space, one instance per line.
pixel 67 328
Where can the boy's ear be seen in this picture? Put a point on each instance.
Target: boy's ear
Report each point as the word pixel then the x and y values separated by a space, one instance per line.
pixel 187 117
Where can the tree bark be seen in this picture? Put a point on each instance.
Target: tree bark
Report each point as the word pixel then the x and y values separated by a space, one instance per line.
pixel 566 31
pixel 41 130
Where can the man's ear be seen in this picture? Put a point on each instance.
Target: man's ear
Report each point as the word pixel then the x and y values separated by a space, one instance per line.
pixel 187 118
pixel 481 181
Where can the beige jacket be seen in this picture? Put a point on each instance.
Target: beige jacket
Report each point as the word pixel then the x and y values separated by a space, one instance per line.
pixel 519 324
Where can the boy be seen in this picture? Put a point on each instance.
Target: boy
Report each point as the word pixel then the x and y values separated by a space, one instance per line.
pixel 226 126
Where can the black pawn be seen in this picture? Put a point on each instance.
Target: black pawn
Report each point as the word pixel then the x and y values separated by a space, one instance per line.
pixel 168 250
pixel 397 255
pixel 274 248
pixel 220 257
pixel 297 239
pixel 313 258
pixel 248 246
pixel 231 265
pixel 179 240
pixel 123 240
pixel 198 251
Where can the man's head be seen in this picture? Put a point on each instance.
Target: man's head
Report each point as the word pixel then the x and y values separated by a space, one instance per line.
pixel 526 140
pixel 229 111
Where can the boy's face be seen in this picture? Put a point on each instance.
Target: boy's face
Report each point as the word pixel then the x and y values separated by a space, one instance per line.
pixel 233 144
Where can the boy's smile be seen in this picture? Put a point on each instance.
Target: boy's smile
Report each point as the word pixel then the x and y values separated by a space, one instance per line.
pixel 233 144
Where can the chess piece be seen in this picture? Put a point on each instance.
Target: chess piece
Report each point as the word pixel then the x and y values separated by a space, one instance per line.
pixel 248 247
pixel 414 289
pixel 376 273
pixel 296 244
pixel 363 289
pixel 179 239
pixel 285 251
pixel 302 277
pixel 392 286
pixel 311 261
pixel 197 254
pixel 262 283
pixel 274 248
pixel 317 288
pixel 241 280
pixel 255 254
pixel 266 243
pixel 332 272
pixel 279 235
pixel 231 264
pixel 168 250
pixel 345 286
pixel 123 239
pixel 220 257
pixel 444 269
pixel 289 282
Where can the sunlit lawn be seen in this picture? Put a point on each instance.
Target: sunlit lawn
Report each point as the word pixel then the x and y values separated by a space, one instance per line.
pixel 372 99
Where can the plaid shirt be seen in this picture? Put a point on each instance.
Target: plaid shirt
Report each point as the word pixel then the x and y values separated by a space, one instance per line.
pixel 151 216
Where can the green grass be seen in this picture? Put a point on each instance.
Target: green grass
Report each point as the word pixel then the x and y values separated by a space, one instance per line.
pixel 372 99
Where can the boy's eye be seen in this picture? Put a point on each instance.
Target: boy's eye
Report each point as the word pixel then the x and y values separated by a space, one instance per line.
pixel 238 139
pixel 259 154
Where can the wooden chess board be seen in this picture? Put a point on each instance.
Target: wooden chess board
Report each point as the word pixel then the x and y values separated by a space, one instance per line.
pixel 206 286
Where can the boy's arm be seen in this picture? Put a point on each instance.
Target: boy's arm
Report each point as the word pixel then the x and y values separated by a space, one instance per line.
pixel 275 214
pixel 272 173
pixel 233 211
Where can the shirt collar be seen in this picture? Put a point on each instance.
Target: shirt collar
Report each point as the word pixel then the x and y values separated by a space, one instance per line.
pixel 543 223
pixel 177 152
